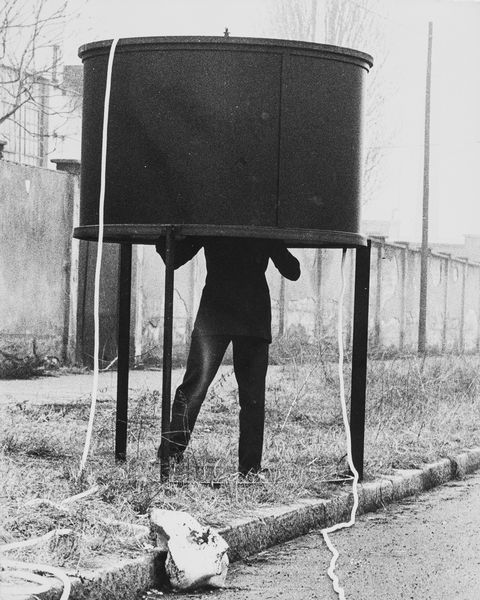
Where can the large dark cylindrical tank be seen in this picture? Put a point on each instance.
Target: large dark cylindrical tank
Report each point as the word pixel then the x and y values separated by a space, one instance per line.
pixel 225 136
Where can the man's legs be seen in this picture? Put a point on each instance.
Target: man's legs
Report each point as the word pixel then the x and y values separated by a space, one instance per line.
pixel 204 358
pixel 250 362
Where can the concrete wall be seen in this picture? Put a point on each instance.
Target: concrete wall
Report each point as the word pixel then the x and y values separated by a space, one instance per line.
pixel 47 277
pixel 37 281
pixel 310 305
pixel 108 305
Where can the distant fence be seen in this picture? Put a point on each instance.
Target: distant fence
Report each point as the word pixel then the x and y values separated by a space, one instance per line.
pixel 309 307
pixel 46 285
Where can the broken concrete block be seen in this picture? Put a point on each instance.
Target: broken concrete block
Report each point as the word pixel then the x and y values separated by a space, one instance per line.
pixel 196 555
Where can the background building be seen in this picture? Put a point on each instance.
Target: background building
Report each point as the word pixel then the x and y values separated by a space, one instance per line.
pixel 47 124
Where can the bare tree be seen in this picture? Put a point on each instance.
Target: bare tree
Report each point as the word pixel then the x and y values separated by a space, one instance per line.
pixel 34 105
pixel 360 24
pixel 356 24
pixel 29 50
pixel 297 19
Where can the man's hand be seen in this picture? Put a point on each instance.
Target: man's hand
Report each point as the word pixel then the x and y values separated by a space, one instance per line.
pixel 284 260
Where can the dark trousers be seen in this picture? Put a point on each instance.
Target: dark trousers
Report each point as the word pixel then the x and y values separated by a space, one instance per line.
pixel 250 362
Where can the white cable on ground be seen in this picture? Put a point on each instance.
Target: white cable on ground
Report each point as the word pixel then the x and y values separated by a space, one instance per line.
pixel 61 505
pixel 98 266
pixel 325 532
pixel 71 499
pixel 34 541
pixel 56 572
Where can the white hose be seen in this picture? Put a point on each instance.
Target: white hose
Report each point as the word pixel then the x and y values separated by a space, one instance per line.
pixel 34 541
pixel 325 532
pixel 18 566
pixel 98 266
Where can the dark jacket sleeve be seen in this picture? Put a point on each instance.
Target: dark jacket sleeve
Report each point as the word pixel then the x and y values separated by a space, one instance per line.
pixel 184 250
pixel 284 260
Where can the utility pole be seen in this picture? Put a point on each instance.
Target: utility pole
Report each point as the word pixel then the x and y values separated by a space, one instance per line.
pixel 422 317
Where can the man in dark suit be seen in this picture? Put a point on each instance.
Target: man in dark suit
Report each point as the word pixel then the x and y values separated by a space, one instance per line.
pixel 234 307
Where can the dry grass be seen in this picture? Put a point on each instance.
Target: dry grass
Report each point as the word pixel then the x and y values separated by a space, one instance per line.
pixel 417 411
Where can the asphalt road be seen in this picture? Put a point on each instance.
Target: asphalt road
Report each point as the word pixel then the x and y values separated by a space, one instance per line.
pixel 424 548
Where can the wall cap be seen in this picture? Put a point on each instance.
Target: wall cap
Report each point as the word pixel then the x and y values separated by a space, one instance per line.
pixel 69 165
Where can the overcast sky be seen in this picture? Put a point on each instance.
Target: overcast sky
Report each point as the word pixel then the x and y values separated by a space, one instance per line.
pixel 455 134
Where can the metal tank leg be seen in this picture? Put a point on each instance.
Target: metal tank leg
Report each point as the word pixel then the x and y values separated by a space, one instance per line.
pixel 167 353
pixel 359 355
pixel 125 284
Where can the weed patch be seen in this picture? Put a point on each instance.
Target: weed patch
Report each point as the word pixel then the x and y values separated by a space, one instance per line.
pixel 14 365
pixel 417 411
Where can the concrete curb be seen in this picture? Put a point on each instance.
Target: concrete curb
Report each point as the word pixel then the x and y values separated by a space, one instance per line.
pixel 275 525
pixel 272 526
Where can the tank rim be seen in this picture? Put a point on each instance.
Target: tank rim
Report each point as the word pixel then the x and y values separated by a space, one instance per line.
pixel 133 43
pixel 299 237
